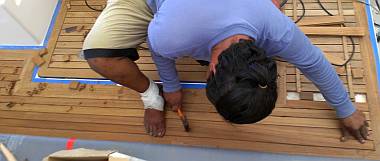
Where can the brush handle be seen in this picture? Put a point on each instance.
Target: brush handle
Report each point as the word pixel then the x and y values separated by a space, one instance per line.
pixel 180 113
pixel 8 155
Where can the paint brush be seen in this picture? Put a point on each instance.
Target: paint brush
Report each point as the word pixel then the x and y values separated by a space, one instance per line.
pixel 7 154
pixel 184 120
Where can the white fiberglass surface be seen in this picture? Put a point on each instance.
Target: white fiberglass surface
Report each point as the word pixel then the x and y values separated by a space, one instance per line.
pixel 25 22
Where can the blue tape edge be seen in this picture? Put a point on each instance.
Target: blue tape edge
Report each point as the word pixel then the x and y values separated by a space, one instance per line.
pixel 47 36
pixel 36 78
pixel 52 22
pixel 373 39
pixel 11 47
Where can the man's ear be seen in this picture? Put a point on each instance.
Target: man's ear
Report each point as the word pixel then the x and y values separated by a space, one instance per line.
pixel 211 70
pixel 276 3
pixel 215 53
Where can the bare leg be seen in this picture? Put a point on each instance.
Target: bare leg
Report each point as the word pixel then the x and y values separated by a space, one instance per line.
pixel 121 70
pixel 125 72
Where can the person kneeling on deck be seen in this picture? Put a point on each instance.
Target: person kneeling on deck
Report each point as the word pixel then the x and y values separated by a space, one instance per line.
pixel 238 38
pixel 110 49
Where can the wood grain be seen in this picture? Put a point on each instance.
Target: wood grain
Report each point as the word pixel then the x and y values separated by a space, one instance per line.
pixel 110 112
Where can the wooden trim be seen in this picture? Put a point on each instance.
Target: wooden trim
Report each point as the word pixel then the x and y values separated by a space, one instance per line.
pixel 321 20
pixel 115 113
pixel 54 35
pixel 346 56
pixel 372 82
pixel 281 84
pixel 334 31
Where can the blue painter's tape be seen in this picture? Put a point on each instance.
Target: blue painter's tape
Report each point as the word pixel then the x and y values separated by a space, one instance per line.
pixel 11 47
pixel 47 36
pixel 373 38
pixel 52 22
pixel 36 78
pixel 194 85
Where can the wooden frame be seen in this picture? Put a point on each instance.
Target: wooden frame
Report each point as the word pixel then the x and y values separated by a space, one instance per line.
pixel 107 112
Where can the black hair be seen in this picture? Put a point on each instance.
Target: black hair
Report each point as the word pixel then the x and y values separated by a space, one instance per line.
pixel 244 88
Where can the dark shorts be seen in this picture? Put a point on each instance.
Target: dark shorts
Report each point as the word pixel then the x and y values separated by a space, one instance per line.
pixel 130 53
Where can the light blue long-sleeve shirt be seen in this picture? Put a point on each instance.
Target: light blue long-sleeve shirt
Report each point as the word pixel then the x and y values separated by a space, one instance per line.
pixel 193 27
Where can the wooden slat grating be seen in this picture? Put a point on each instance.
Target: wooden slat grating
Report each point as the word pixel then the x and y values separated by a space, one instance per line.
pixel 108 112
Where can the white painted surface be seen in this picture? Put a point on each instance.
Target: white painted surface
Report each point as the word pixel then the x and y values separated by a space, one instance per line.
pixel 361 98
pixel 11 32
pixel 293 96
pixel 25 22
pixel 318 97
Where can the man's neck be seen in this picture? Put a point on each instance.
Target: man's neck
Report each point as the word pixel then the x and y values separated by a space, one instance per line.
pixel 223 45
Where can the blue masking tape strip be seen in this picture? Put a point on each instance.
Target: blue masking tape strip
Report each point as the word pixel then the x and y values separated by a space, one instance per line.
pixel 52 22
pixel 11 47
pixel 373 38
pixel 35 78
pixel 46 40
pixel 194 86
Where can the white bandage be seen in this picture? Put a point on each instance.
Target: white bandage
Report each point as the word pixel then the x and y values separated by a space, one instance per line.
pixel 152 98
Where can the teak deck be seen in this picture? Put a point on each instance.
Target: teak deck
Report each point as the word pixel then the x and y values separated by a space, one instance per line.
pixel 109 112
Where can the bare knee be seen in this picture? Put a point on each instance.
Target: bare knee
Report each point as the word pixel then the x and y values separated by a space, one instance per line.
pixel 121 70
pixel 114 67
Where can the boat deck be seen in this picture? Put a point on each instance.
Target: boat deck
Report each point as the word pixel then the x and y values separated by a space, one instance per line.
pixel 302 123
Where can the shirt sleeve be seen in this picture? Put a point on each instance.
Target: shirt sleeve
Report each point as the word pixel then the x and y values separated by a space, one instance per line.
pixel 168 73
pixel 311 61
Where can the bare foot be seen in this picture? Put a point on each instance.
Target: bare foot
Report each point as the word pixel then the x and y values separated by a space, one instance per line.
pixel 154 121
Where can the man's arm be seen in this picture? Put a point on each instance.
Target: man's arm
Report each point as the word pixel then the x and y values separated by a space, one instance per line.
pixel 167 72
pixel 168 75
pixel 311 61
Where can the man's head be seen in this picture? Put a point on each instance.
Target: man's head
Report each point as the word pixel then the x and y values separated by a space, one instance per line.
pixel 243 89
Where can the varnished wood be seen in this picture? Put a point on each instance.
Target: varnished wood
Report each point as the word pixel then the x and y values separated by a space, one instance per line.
pixel 322 20
pixel 110 112
pixel 343 31
pixel 372 82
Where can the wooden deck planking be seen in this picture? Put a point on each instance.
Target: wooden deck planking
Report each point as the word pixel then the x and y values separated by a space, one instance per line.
pixel 74 41
pixel 115 113
pixel 32 116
